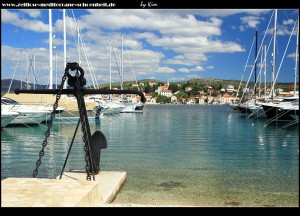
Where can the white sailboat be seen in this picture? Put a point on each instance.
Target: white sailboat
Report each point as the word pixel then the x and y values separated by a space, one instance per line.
pixel 130 106
pixel 107 106
pixel 7 117
pixel 288 108
pixel 28 114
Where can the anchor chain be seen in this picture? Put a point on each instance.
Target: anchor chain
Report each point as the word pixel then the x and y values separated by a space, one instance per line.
pixel 49 124
pixel 88 158
pixel 79 83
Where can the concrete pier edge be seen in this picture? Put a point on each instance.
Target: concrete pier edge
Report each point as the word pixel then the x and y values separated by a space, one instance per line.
pixel 73 190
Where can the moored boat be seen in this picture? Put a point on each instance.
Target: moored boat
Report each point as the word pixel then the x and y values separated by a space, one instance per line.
pixel 7 117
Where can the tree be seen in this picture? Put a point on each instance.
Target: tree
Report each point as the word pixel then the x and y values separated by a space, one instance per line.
pixel 214 94
pixel 105 88
pixel 173 87
pixel 206 100
pixel 148 89
pixel 182 94
pixel 160 84
pixel 163 99
pixel 154 87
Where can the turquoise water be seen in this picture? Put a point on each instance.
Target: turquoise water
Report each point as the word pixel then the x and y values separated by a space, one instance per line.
pixel 173 154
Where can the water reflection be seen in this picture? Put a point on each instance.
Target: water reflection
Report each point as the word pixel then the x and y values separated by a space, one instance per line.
pixel 208 150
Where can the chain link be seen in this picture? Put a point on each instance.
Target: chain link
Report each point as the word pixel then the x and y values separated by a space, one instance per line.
pixel 84 130
pixel 49 123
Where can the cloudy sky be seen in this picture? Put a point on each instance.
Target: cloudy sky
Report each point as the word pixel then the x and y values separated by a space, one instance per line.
pixel 164 44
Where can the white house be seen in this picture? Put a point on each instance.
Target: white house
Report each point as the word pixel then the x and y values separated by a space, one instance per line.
pixel 167 93
pixel 229 88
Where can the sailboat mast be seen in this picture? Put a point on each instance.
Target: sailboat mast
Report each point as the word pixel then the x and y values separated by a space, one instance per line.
pixel 22 70
pixel 265 71
pixel 50 49
pixel 27 70
pixel 109 64
pixel 78 43
pixel 296 58
pixel 122 65
pixel 274 54
pixel 255 63
pixel 260 71
pixel 34 80
pixel 56 70
pixel 65 44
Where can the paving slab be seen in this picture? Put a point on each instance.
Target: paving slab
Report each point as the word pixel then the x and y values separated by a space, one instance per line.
pixel 110 182
pixel 73 190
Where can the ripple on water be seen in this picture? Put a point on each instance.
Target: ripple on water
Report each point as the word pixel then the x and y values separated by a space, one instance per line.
pixel 181 155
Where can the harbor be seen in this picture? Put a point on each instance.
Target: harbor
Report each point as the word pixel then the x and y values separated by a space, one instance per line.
pixel 173 155
pixel 158 110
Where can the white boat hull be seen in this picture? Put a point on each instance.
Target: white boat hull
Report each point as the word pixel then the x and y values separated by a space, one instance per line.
pixel 7 117
pixel 30 118
pixel 129 108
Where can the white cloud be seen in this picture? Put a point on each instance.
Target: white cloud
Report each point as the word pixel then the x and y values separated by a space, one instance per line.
pixel 198 68
pixel 282 30
pixel 195 69
pixel 210 67
pixel 12 54
pixel 151 20
pixel 196 45
pixel 177 62
pixel 184 70
pixel 188 59
pixel 14 19
pixel 193 76
pixel 12 61
pixel 152 37
pixel 242 28
pixel 292 55
pixel 251 21
pixel 56 41
pixel 216 12
pixel 165 70
pixel 71 26
pixel 288 22
pixel 151 77
pixel 177 79
pixel 143 62
pixel 145 35
pixel 132 44
pixel 32 12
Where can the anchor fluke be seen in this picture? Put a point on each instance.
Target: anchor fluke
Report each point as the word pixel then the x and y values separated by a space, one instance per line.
pixel 98 142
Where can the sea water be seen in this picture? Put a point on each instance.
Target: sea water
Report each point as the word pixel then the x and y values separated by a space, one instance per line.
pixel 173 155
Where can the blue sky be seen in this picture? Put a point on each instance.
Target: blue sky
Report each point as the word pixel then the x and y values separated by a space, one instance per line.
pixel 164 44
